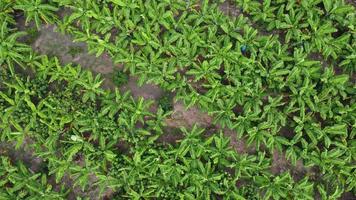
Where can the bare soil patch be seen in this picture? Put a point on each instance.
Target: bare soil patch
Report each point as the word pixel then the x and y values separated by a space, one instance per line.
pixel 229 8
pixel 182 116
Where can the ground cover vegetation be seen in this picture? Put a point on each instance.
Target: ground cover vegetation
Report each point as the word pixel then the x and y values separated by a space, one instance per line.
pixel 280 75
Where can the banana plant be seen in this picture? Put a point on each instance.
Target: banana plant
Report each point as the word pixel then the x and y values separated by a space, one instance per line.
pixel 249 38
pixel 266 13
pixel 277 188
pixel 157 13
pixel 37 11
pixel 225 114
pixel 91 86
pixel 248 5
pixel 96 44
pixel 247 166
pixel 337 10
pixel 212 182
pixel 292 23
pixel 6 11
pixel 349 60
pixel 138 109
pixel 163 75
pixel 11 51
pixel 221 153
pixel 82 12
pixel 205 71
pixel 142 193
pixel 221 53
pixel 21 183
pixel 244 122
pixel 114 102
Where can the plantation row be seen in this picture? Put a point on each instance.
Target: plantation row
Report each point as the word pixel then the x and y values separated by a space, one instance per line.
pixel 75 128
pixel 267 88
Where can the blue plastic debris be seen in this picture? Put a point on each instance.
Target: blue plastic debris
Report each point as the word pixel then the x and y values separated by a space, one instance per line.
pixel 243 48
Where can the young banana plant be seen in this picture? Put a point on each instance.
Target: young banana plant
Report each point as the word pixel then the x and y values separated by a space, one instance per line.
pixel 37 11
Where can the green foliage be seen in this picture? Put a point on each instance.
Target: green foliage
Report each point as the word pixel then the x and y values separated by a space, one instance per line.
pixel 37 10
pixel 166 102
pixel 6 11
pixel 11 51
pixel 120 78
pixel 75 50
pixel 31 36
pixel 255 84
pixel 17 182
pixel 325 27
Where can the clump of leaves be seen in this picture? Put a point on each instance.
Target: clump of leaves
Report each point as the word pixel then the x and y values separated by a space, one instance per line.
pixel 17 182
pixel 32 35
pixel 6 11
pixel 166 102
pixel 120 78
pixel 75 50
pixel 12 51
pixel 250 191
pixel 37 10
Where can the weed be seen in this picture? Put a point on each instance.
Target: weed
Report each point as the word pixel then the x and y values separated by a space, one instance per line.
pixel 32 35
pixel 120 78
pixel 166 102
pixel 75 50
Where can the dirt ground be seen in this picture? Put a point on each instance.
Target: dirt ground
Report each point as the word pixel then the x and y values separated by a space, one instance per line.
pixel 353 2
pixel 228 7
